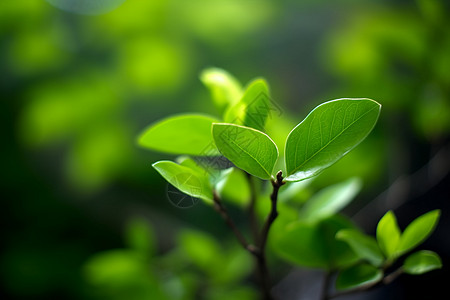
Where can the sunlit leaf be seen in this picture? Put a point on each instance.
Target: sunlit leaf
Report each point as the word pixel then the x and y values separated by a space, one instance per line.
pixel 330 200
pixel 249 149
pixel 181 134
pixel 421 262
pixel 225 89
pixel 254 108
pixel 363 245
pixel 329 132
pixel 388 234
pixel 418 231
pixel 234 187
pixel 185 179
pixel 358 276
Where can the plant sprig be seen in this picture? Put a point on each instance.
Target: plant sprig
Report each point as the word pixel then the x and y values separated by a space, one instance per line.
pixel 319 237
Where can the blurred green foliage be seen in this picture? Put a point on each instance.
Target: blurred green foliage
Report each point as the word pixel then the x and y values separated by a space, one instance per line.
pixel 77 89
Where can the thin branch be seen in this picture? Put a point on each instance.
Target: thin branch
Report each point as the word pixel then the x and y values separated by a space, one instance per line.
pixel 391 277
pixel 325 286
pixel 262 263
pixel 277 183
pixel 218 206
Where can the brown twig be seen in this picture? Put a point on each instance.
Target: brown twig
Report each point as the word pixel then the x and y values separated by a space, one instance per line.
pixel 277 183
pixel 257 252
pixel 218 206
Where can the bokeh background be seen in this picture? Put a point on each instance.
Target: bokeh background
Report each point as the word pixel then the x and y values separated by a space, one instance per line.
pixel 83 214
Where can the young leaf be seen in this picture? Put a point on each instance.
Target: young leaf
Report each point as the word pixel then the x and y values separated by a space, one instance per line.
pixel 181 134
pixel 363 245
pixel 388 234
pixel 225 89
pixel 418 231
pixel 187 180
pixel 330 131
pixel 249 149
pixel 254 107
pixel 330 200
pixel 234 187
pixel 422 262
pixel 358 276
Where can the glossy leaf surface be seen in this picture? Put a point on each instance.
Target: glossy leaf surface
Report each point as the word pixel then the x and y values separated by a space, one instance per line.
pixel 422 262
pixel 254 108
pixel 185 179
pixel 329 132
pixel 249 149
pixel 358 276
pixel 418 231
pixel 388 234
pixel 181 134
pixel 363 245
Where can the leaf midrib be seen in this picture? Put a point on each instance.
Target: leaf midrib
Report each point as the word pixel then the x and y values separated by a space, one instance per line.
pixel 267 173
pixel 326 145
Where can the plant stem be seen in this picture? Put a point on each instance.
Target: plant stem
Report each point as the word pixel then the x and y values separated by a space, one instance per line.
pixel 262 263
pixel 277 183
pixel 257 252
pixel 218 206
pixel 325 285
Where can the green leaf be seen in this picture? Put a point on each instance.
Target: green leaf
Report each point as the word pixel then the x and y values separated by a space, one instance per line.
pixel 422 262
pixel 358 276
pixel 234 187
pixel 418 231
pixel 254 107
pixel 330 131
pixel 187 161
pixel 186 179
pixel 181 134
pixel 302 244
pixel 363 245
pixel 330 200
pixel 314 244
pixel 388 234
pixel 225 89
pixel 247 148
